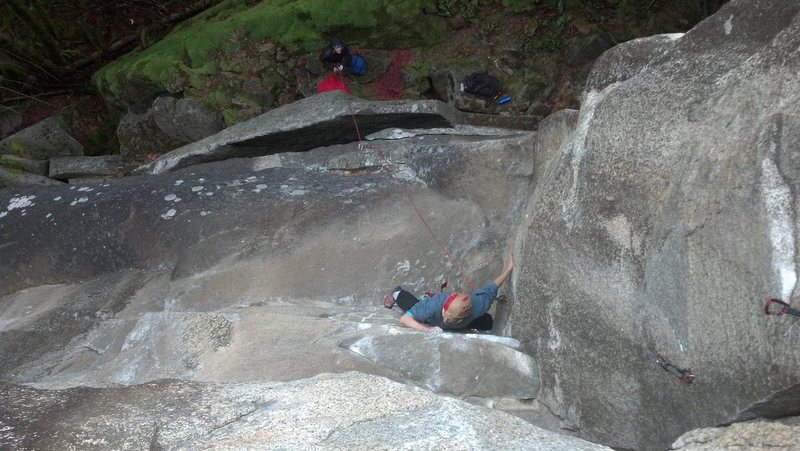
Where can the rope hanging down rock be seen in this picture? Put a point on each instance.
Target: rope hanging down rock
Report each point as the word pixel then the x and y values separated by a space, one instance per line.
pixel 393 172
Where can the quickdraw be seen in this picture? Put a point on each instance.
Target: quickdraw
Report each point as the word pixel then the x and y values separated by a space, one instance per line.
pixel 777 307
pixel 685 375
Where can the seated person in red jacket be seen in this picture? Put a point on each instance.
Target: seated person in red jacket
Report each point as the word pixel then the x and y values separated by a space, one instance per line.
pixel 451 311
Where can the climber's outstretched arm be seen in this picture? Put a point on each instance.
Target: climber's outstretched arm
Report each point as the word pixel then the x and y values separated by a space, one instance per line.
pixel 499 280
pixel 409 321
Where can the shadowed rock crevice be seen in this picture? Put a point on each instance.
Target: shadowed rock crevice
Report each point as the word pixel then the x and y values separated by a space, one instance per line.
pixel 785 403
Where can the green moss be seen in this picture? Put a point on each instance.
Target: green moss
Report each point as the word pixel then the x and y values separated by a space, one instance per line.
pixel 19 149
pixel 15 170
pixel 12 166
pixel 198 77
pixel 300 25
pixel 230 116
pixel 218 100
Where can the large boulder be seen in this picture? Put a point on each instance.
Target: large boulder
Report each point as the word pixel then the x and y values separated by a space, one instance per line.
pixel 168 124
pixel 186 120
pixel 140 137
pixel 665 217
pixel 330 411
pixel 42 140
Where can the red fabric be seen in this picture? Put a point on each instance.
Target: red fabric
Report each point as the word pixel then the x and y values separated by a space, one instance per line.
pixel 332 83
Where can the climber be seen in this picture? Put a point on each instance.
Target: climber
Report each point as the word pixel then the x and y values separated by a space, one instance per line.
pixel 336 56
pixel 448 311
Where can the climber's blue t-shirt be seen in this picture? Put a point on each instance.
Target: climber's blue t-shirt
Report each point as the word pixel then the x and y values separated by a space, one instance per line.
pixel 430 311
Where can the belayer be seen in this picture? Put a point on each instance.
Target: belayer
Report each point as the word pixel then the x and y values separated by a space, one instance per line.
pixel 337 58
pixel 450 311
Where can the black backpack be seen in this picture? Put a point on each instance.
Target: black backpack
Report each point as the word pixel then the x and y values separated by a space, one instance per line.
pixel 482 84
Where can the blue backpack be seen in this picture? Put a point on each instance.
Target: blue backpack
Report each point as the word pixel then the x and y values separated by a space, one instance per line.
pixel 358 65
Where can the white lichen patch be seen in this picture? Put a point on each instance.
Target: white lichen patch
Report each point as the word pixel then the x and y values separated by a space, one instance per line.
pixel 56 199
pixel 170 197
pixel 20 202
pixel 78 201
pixel 204 213
pixel 728 25
pixel 178 182
pixel 85 189
pixel 252 178
pixel 3 214
pixel 48 215
pixel 402 268
pixel 294 191
pixel 196 189
pixel 169 214
pixel 259 188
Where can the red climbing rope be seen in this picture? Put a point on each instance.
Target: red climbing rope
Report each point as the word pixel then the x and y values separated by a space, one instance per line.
pixel 393 172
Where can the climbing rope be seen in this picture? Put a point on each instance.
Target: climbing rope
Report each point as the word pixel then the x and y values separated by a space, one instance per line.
pixel 684 375
pixel 777 307
pixel 362 145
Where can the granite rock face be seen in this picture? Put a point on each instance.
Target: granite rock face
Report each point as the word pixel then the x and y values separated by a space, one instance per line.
pixel 330 411
pixel 749 435
pixel 661 220
pixel 257 270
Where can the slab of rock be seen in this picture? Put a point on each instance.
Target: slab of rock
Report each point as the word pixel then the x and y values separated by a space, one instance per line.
pixel 750 435
pixel 64 168
pixel 41 141
pixel 450 362
pixel 13 178
pixel 38 167
pixel 331 411
pixel 319 120
pixel 664 218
